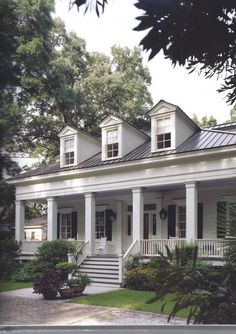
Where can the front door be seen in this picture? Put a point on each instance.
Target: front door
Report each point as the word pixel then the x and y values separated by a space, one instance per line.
pixel 146 226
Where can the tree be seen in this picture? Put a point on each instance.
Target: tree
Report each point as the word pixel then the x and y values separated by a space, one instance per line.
pixel 25 50
pixel 211 121
pixel 198 34
pixel 82 88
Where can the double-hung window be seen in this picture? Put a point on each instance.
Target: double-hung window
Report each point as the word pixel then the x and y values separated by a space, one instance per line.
pixel 181 222
pixel 112 145
pixel 163 133
pixel 66 226
pixel 69 151
pixel 100 227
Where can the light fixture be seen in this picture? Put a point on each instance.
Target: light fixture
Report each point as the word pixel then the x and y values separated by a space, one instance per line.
pixel 163 214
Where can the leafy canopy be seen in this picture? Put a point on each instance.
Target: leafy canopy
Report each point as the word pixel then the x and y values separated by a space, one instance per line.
pixel 198 34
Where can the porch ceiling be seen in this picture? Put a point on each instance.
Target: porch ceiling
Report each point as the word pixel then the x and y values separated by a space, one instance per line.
pixel 154 189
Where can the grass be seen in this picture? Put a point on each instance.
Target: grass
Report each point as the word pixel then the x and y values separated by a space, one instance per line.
pixel 7 285
pixel 131 300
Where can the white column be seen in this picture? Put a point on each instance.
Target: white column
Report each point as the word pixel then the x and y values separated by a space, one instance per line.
pixel 19 220
pixel 191 211
pixel 137 213
pixel 52 218
pixel 118 229
pixel 90 211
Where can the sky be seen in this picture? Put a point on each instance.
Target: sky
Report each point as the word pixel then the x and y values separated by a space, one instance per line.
pixel 192 93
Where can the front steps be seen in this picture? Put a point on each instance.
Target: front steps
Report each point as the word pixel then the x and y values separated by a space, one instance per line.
pixel 102 270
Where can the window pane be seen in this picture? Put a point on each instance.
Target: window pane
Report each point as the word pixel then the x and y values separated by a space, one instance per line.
pixel 100 225
pixel 112 150
pixel 112 136
pixel 69 145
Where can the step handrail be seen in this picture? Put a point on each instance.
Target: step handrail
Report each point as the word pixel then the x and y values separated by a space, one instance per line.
pixel 130 250
pixel 133 248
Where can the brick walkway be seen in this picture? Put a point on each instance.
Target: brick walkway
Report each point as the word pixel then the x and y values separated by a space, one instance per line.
pixel 18 310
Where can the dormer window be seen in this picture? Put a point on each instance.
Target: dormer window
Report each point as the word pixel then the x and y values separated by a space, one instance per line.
pixel 112 145
pixel 69 151
pixel 163 133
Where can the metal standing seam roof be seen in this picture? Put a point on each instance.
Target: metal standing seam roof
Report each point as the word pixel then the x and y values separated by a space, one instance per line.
pixel 201 140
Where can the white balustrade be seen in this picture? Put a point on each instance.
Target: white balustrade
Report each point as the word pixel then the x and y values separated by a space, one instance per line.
pixel 153 247
pixel 211 247
pixel 206 247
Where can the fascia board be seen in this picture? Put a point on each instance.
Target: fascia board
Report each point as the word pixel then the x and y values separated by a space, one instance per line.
pixel 145 162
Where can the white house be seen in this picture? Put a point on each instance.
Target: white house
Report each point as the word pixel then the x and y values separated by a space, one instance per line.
pixel 139 191
pixel 35 229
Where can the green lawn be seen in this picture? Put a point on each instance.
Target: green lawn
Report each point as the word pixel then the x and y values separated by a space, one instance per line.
pixel 130 299
pixel 10 285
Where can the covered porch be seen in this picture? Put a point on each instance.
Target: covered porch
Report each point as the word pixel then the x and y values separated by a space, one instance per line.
pixel 137 220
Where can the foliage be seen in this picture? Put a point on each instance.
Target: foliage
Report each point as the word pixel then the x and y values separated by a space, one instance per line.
pixel 208 293
pixel 133 262
pixel 205 121
pixel 48 284
pixel 64 269
pixel 140 279
pixel 82 279
pixel 198 34
pixel 53 252
pixel 9 251
pixel 28 271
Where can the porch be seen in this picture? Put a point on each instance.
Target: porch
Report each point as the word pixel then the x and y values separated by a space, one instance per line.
pixel 207 248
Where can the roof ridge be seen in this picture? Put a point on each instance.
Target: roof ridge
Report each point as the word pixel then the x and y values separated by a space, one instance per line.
pixel 219 131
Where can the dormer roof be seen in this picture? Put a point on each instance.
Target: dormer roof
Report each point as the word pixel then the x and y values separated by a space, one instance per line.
pixel 112 120
pixel 164 107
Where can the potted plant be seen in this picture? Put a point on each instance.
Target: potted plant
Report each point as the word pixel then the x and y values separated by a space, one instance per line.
pixel 48 284
pixel 79 283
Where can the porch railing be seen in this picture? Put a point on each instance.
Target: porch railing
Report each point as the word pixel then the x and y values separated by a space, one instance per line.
pixel 152 247
pixel 211 247
pixel 208 248
pixel 83 247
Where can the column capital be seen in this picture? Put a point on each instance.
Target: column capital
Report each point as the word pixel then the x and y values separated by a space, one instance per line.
pixel 191 184
pixel 137 190
pixel 51 199
pixel 89 195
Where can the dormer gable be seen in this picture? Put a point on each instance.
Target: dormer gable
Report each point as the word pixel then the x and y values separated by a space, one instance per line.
pixel 119 137
pixel 170 126
pixel 76 146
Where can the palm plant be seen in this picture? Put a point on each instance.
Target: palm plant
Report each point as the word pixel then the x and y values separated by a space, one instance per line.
pixel 208 293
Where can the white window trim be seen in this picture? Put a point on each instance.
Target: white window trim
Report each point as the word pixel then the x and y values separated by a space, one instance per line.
pixel 154 132
pixel 104 142
pixel 62 149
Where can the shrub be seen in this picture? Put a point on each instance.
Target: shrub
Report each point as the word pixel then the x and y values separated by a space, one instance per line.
pixel 133 262
pixel 140 279
pixel 9 251
pixel 28 271
pixel 48 283
pixel 65 268
pixel 53 252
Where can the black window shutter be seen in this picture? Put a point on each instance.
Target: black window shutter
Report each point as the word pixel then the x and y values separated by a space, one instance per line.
pixel 200 221
pixel 74 225
pixel 58 225
pixel 221 219
pixel 171 221
pixel 108 225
